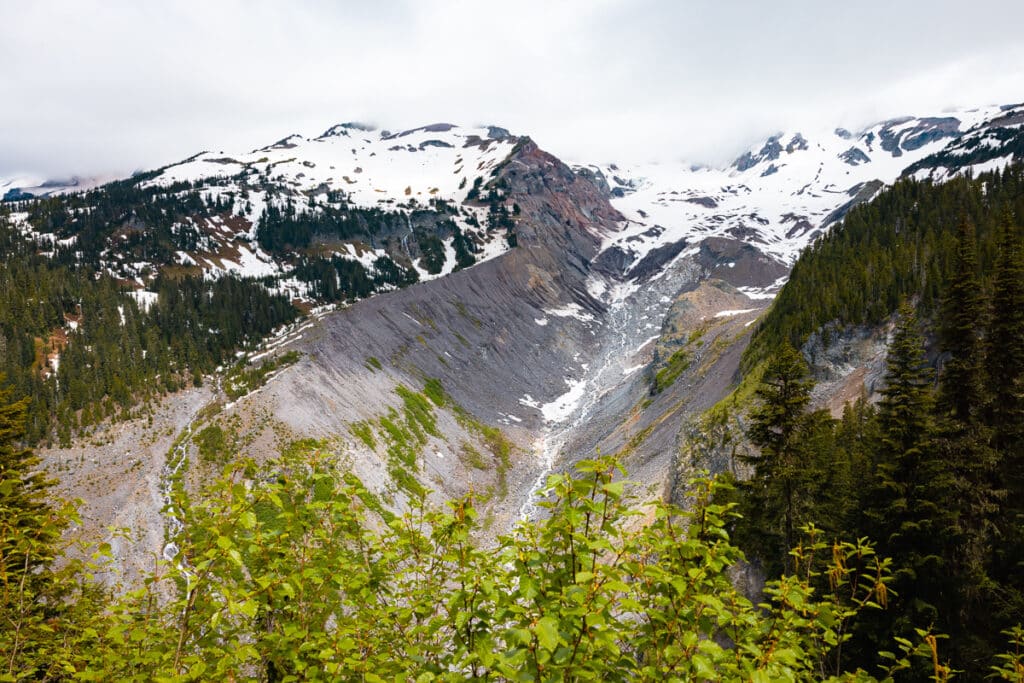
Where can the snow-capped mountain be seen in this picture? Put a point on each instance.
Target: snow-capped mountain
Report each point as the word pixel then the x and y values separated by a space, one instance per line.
pixel 406 206
pixel 355 166
pixel 374 168
pixel 783 193
pixel 427 201
pixel 558 294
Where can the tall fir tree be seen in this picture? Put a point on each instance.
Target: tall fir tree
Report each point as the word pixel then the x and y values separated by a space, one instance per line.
pixel 24 487
pixel 1005 375
pixel 963 487
pixel 776 493
pixel 962 322
pixel 896 509
pixel 1005 352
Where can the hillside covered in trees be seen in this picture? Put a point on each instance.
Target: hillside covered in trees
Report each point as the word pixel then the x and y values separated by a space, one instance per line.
pixel 119 294
pixel 77 343
pixel 932 471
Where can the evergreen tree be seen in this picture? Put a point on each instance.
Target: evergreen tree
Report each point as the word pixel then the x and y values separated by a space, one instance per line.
pixel 855 438
pixel 897 511
pixel 24 510
pixel 1005 357
pixel 39 604
pixel 776 493
pixel 962 487
pixel 962 322
pixel 1005 373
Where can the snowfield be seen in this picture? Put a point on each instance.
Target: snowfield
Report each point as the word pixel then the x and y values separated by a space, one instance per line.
pixel 781 194
pixel 374 168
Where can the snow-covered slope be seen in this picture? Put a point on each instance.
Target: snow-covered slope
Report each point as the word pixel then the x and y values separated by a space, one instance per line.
pixel 987 145
pixel 783 193
pixel 373 168
pixel 357 166
pixel 409 206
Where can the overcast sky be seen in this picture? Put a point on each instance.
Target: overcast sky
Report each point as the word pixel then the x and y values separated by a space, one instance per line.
pixel 114 86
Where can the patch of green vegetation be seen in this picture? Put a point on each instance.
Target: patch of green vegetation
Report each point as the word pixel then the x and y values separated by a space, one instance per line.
pixel 406 481
pixel 435 391
pixel 372 363
pixel 461 308
pixel 207 412
pixel 242 379
pixel 212 444
pixel 676 365
pixel 405 434
pixel 497 443
pixel 470 456
pixel 300 447
pixel 462 340
pixel 403 442
pixel 418 411
pixel 368 498
pixel 493 439
pixel 364 432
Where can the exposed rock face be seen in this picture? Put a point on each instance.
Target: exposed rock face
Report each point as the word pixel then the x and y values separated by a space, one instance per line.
pixel 859 194
pixel 897 138
pixel 563 213
pixel 854 157
pixel 738 263
pixel 798 142
pixel 846 364
pixel 769 152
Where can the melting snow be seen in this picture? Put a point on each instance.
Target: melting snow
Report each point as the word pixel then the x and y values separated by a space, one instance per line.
pixel 768 292
pixel 143 298
pixel 736 311
pixel 570 311
pixel 563 406
pixel 529 401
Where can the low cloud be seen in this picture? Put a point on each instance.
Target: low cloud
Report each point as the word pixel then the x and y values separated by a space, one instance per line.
pixel 117 86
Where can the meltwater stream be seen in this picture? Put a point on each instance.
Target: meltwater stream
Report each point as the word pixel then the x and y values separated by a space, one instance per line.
pixel 632 321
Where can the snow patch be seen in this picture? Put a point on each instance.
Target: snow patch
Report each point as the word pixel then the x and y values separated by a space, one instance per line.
pixel 563 406
pixel 735 311
pixel 143 298
pixel 570 311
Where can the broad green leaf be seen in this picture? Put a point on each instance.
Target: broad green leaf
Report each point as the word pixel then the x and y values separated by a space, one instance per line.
pixel 547 633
